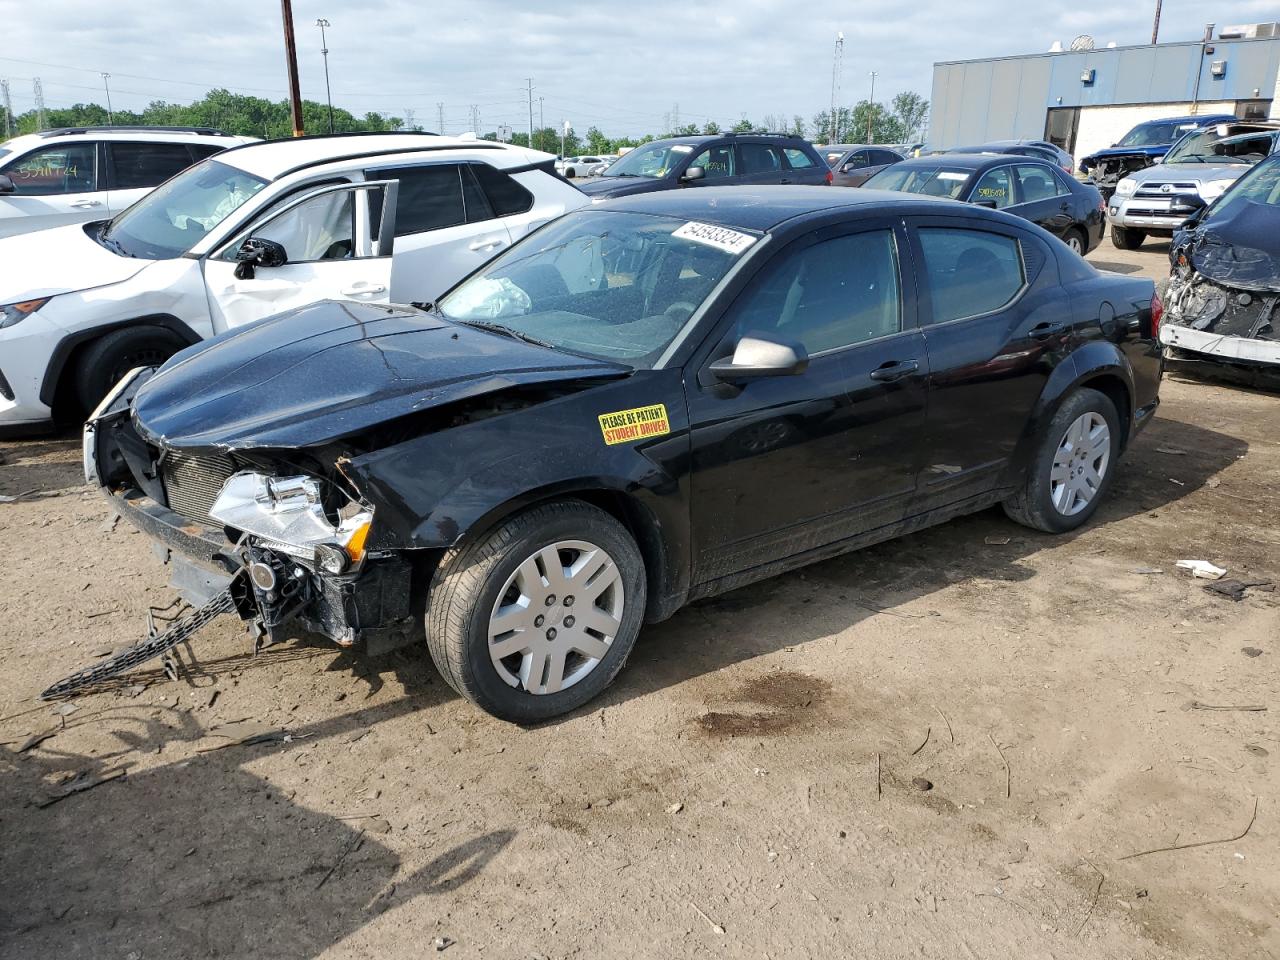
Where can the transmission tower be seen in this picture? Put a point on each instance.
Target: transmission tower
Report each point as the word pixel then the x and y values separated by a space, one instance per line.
pixel 675 117
pixel 8 109
pixel 475 119
pixel 39 92
pixel 440 117
pixel 837 65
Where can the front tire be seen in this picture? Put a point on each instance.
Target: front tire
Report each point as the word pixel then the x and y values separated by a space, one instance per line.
pixel 1126 238
pixel 1072 467
pixel 105 361
pixel 536 616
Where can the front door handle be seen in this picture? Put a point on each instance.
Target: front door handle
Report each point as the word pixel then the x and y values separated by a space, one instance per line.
pixel 485 243
pixel 1043 331
pixel 363 290
pixel 86 204
pixel 894 370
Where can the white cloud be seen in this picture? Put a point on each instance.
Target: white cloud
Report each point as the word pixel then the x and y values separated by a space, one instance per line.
pixel 620 66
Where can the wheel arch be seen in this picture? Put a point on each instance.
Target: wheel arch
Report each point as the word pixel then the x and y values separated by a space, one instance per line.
pixel 665 593
pixel 53 388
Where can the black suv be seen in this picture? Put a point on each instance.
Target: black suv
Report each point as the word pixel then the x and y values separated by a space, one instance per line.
pixel 723 160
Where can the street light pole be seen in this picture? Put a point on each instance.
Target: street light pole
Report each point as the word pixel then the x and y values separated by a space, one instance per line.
pixel 321 22
pixel 871 109
pixel 106 86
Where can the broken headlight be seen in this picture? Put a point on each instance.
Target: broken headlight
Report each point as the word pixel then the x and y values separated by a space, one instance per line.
pixel 287 514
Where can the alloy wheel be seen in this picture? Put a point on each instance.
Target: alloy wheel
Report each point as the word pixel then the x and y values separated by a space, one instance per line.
pixel 1080 464
pixel 1074 245
pixel 556 616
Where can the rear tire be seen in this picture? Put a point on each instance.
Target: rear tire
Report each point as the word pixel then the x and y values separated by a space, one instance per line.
pixel 1076 240
pixel 1126 238
pixel 1082 441
pixel 496 592
pixel 105 361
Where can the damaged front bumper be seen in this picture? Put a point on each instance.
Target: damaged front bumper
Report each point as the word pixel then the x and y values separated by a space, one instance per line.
pixel 369 603
pixel 1208 321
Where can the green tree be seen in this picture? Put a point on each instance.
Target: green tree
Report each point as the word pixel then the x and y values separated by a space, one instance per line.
pixel 711 128
pixel 874 123
pixel 910 109
pixel 688 130
pixel 743 126
pixel 797 128
pixel 597 142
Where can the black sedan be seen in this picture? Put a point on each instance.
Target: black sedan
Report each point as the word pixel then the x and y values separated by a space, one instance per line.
pixel 1031 189
pixel 641 404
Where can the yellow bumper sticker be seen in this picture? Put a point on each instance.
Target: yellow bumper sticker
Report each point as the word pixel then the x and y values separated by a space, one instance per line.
pixel 636 424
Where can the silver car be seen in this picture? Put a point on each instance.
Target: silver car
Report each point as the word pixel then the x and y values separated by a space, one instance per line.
pixel 1196 171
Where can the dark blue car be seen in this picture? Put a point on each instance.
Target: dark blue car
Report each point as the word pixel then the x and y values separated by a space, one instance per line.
pixel 1141 147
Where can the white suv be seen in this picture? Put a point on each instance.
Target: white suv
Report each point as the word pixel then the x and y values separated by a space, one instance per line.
pixel 77 174
pixel 255 231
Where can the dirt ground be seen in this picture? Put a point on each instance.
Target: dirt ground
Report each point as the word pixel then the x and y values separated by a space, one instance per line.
pixel 754 784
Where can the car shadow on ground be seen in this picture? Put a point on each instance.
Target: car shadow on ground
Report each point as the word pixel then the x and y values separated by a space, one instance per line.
pixel 200 857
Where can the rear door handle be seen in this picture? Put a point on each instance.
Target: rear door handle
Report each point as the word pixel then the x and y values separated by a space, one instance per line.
pixel 485 243
pixel 86 204
pixel 784 181
pixel 364 290
pixel 895 370
pixel 1043 331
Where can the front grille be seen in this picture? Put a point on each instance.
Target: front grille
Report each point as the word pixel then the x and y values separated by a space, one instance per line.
pixel 1153 191
pixel 192 484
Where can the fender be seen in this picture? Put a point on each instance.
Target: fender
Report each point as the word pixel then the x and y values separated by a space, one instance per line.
pixel 65 347
pixel 432 491
pixel 1091 360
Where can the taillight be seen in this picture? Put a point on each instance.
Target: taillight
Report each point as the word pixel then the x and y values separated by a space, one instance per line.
pixel 831 177
pixel 1157 311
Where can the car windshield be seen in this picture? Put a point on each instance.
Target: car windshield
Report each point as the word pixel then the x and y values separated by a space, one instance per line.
pixel 652 160
pixel 167 222
pixel 604 284
pixel 930 181
pixel 1154 133
pixel 1261 185
pixel 1204 146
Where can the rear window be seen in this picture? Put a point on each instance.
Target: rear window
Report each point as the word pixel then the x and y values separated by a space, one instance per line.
pixel 931 181
pixel 506 196
pixel 798 159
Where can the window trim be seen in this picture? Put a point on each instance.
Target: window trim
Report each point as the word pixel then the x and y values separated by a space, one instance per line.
pixel 923 289
pixel 908 294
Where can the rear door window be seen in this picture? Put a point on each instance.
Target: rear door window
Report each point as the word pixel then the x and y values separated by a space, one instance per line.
pixel 506 196
pixel 1036 183
pixel 995 186
pixel 70 168
pixel 969 272
pixel 798 159
pixel 430 197
pixel 760 158
pixel 138 165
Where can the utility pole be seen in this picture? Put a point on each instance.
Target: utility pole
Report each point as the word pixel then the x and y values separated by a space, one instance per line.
pixel 8 109
pixel 291 64
pixel 106 86
pixel 871 112
pixel 39 95
pixel 564 136
pixel 1155 26
pixel 1195 94
pixel 529 81
pixel 475 119
pixel 837 67
pixel 324 52
pixel 542 119
pixel 440 117
pixel 675 118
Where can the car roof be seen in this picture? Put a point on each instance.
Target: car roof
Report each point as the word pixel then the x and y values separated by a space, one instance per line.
pixel 764 208
pixel 969 161
pixel 151 135
pixel 275 158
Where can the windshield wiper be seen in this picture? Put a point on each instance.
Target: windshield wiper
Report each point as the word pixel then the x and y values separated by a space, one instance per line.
pixel 506 331
pixel 111 244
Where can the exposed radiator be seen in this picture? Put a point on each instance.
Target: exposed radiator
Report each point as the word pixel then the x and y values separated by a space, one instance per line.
pixel 192 483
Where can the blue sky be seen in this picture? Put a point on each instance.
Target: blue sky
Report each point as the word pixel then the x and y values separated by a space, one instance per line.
pixel 620 66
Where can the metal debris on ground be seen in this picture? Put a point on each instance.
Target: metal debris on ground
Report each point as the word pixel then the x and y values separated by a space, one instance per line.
pixel 1234 589
pixel 1147 571
pixel 239 732
pixel 443 943
pixel 1202 569
pixel 996 541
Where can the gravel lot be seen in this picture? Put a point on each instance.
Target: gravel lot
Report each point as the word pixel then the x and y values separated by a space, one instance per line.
pixel 753 786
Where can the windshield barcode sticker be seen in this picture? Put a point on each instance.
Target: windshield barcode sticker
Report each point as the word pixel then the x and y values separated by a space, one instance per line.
pixel 722 238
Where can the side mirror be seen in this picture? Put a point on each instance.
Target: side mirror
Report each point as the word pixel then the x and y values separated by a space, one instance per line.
pixel 989 204
pixel 256 252
pixel 694 173
pixel 756 357
pixel 6 185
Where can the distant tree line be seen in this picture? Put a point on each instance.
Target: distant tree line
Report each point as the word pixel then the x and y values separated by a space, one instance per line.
pixel 899 121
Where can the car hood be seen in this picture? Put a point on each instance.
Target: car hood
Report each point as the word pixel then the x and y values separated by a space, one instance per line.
pixel 59 260
pixel 600 188
pixel 333 369
pixel 1240 251
pixel 1154 150
pixel 1199 172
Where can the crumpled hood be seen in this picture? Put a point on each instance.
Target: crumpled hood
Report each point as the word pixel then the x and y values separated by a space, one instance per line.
pixel 59 260
pixel 1241 251
pixel 598 188
pixel 332 369
pixel 1154 151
